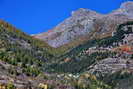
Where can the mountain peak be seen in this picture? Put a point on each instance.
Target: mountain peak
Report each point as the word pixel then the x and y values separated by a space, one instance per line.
pixel 83 12
pixel 80 10
pixel 128 4
pixel 84 22
pixel 127 8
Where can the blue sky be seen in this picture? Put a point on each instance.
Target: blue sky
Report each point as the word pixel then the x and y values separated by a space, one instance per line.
pixel 35 16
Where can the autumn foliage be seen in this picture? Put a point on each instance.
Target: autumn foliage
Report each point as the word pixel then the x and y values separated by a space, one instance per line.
pixel 126 48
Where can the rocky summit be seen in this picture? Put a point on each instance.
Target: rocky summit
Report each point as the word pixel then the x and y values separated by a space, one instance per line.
pixel 80 23
pixel 83 22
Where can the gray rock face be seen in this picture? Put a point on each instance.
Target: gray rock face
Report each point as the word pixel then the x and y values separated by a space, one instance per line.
pixel 80 23
pixel 127 8
pixel 84 21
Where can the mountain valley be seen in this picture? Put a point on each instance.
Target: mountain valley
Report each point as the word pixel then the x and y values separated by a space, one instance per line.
pixel 86 51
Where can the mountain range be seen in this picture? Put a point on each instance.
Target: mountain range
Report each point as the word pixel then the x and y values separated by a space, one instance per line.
pixel 86 51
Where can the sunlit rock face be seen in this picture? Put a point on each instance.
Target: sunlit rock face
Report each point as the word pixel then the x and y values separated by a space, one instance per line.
pixel 80 23
pixel 83 21
pixel 127 8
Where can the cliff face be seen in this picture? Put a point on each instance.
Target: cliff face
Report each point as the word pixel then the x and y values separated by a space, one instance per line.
pixel 83 22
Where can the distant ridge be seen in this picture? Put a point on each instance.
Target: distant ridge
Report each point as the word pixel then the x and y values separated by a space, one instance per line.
pixel 83 23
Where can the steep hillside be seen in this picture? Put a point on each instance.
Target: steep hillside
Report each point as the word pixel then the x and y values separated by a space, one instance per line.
pixel 19 49
pixel 27 42
pixel 23 61
pixel 85 55
pixel 109 59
